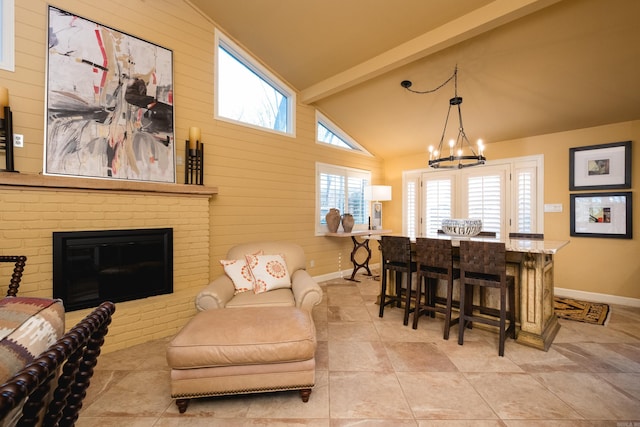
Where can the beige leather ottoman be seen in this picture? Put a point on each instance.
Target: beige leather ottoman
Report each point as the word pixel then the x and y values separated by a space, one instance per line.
pixel 243 350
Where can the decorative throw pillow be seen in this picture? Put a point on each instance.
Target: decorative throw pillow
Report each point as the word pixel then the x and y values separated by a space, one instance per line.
pixel 239 273
pixel 269 272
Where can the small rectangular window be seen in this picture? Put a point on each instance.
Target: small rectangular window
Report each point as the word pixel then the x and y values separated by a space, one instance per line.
pixel 329 133
pixel 247 93
pixel 7 55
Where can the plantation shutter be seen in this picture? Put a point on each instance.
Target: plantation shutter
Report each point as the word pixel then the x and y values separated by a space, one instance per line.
pixel 486 197
pixel 356 200
pixel 411 211
pixel 332 194
pixel 438 191
pixel 526 200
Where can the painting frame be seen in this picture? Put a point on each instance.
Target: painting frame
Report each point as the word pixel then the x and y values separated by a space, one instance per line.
pixel 109 109
pixel 376 215
pixel 600 167
pixel 604 215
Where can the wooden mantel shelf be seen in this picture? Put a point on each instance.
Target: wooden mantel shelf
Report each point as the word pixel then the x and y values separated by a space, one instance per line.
pixel 39 181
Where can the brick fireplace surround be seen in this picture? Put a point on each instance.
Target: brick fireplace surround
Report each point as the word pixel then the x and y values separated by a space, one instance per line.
pixel 33 206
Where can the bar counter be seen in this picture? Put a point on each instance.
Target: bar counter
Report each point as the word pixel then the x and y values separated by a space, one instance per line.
pixel 531 262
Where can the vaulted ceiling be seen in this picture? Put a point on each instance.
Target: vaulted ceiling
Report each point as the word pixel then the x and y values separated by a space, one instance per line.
pixel 526 67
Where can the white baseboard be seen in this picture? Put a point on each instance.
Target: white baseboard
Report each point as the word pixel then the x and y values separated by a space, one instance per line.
pixel 343 274
pixel 561 292
pixel 596 297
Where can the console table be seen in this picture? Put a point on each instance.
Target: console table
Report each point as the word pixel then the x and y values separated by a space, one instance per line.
pixel 362 246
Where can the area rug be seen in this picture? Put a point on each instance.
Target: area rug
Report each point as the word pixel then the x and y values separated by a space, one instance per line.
pixel 581 311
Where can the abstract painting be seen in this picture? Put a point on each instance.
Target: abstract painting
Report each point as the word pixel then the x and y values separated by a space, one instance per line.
pixel 109 110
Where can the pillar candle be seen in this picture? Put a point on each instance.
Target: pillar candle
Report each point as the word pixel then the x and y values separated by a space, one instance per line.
pixel 4 100
pixel 194 135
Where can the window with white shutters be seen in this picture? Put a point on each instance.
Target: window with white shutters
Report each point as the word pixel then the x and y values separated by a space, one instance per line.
pixel 438 199
pixel 525 185
pixel 344 189
pixel 528 204
pixel 485 199
pixel 410 198
pixel 505 194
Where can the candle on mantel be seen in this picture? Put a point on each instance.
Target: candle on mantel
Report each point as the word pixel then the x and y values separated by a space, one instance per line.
pixel 194 136
pixel 4 100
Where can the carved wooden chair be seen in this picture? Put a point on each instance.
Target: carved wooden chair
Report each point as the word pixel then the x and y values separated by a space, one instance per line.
pixel 16 277
pixel 62 373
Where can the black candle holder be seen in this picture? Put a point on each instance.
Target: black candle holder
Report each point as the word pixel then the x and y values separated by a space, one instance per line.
pixel 194 165
pixel 6 139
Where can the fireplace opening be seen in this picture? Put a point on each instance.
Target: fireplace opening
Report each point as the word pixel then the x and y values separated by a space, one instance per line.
pixel 90 267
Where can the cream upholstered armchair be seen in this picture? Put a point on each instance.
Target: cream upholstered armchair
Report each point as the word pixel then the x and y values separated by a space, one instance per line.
pixel 250 263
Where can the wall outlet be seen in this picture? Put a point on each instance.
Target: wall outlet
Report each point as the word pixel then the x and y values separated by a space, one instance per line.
pixel 18 140
pixel 179 160
pixel 312 263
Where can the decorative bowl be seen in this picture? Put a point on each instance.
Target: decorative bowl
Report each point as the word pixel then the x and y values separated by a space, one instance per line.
pixel 462 227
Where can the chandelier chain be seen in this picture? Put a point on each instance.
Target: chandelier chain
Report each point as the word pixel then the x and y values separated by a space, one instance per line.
pixel 453 76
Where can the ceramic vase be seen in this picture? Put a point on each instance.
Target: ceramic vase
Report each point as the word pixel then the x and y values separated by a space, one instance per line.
pixel 347 222
pixel 333 220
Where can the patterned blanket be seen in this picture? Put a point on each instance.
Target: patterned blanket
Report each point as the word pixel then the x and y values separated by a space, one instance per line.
pixel 28 326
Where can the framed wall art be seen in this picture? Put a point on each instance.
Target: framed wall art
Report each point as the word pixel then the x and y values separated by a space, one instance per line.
pixel 602 215
pixel 600 167
pixel 109 107
pixel 376 223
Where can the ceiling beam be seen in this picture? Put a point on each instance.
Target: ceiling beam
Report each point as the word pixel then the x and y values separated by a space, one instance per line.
pixel 486 18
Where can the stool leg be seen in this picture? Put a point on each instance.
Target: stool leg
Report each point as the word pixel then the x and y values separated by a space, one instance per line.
pixel 447 313
pixel 383 292
pixel 503 319
pixel 466 308
pixel 416 312
pixel 399 289
pixel 433 288
pixel 512 311
pixel 407 307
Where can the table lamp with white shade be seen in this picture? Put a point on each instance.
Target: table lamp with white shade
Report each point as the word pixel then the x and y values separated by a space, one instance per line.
pixel 378 193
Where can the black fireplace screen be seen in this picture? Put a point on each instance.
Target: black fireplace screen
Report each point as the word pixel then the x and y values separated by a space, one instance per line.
pixel 90 267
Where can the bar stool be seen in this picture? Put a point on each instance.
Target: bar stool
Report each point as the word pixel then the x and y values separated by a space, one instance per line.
pixel 484 264
pixel 434 258
pixel 396 257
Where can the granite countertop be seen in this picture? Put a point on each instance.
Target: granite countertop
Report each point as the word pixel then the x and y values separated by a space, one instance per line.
pixel 515 245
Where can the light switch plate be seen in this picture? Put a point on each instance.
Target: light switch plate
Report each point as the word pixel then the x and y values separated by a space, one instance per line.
pixel 553 207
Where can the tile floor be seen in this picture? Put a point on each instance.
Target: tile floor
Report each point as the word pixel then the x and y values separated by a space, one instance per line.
pixel 374 371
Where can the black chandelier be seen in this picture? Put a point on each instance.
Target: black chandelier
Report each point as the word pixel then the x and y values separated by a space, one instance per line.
pixel 457 157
